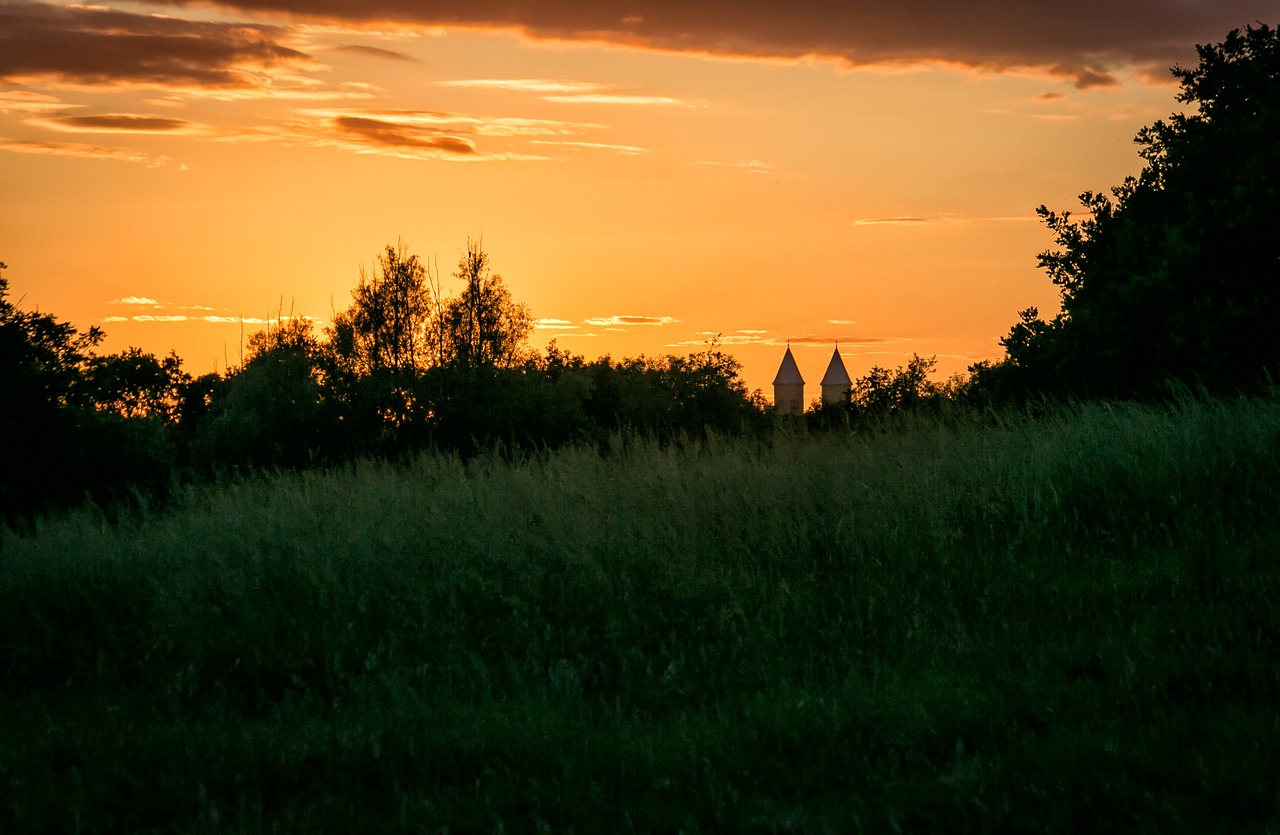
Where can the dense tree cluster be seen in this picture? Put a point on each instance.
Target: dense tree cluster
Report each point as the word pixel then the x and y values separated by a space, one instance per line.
pixel 75 423
pixel 406 366
pixel 1174 275
pixel 882 397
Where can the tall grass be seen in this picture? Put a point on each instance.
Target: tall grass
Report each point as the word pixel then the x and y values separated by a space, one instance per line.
pixel 972 624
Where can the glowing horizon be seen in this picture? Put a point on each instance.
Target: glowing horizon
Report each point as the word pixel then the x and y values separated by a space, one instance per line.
pixel 644 178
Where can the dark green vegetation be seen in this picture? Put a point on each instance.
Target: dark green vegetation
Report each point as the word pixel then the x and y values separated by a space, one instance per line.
pixel 412 577
pixel 406 368
pixel 1059 623
pixel 1177 277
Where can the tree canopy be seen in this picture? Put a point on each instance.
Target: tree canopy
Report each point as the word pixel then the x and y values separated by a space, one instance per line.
pixel 482 326
pixel 386 326
pixel 76 424
pixel 1174 274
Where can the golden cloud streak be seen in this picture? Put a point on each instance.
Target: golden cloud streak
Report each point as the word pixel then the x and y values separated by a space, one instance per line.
pixel 82 151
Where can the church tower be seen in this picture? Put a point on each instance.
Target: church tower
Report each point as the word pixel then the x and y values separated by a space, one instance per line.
pixel 836 384
pixel 788 387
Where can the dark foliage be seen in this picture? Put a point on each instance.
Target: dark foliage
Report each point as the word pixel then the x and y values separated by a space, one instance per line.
pixel 482 327
pixel 883 397
pixel 134 384
pixel 75 425
pixel 273 411
pixel 1173 276
pixel 388 326
pixel 405 368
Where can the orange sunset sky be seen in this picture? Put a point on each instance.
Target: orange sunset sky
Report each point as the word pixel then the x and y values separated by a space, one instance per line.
pixel 644 174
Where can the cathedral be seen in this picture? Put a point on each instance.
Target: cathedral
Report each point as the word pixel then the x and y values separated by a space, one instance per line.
pixel 788 385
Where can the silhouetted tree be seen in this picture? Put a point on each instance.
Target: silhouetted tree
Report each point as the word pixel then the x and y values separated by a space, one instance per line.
pixel 386 326
pixel 1174 274
pixel 483 327
pixel 135 384
pixel 708 390
pixel 41 359
pixel 288 333
pixel 882 391
pixel 380 346
pixel 277 410
pixel 59 446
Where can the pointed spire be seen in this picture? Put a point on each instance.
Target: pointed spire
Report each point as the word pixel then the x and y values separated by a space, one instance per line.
pixel 788 372
pixel 836 374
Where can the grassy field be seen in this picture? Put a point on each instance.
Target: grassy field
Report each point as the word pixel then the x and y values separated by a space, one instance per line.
pixel 1054 624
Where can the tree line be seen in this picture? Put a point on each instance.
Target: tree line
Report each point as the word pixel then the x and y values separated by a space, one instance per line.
pixel 408 365
pixel 1173 279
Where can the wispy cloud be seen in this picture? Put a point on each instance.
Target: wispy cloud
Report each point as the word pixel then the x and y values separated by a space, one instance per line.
pixel 373 52
pixel 727 339
pixel 118 123
pixel 28 102
pixel 563 91
pixel 526 85
pixel 554 324
pixel 402 136
pixel 509 126
pixel 416 134
pixel 456 122
pixel 165 312
pixel 780 340
pixel 754 166
pixel 214 319
pixel 626 150
pixel 968 356
pixel 944 220
pixel 82 151
pixel 304 90
pixel 846 340
pixel 618 98
pixel 619 321
pixel 246 320
pixel 895 221
pixel 772 338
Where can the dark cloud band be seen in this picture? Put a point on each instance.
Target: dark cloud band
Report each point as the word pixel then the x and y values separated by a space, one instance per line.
pixel 94 45
pixel 1085 41
pixel 125 122
pixel 390 134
